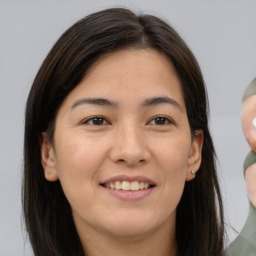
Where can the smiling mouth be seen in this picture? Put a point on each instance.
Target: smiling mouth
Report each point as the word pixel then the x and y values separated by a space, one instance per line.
pixel 127 186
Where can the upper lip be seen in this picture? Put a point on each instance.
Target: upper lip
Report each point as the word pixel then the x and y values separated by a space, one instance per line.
pixel 129 178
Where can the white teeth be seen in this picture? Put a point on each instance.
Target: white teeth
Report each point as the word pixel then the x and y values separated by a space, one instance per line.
pixel 141 185
pixel 118 185
pixel 126 185
pixel 146 185
pixel 135 185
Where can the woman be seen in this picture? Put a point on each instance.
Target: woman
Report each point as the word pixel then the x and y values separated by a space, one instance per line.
pixel 118 156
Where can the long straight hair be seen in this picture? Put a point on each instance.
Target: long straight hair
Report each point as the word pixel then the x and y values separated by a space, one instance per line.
pixel 47 214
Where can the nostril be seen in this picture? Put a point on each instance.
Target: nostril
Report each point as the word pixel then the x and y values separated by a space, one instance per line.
pixel 123 161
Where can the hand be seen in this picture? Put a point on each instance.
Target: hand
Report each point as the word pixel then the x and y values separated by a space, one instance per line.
pixel 249 121
pixel 250 177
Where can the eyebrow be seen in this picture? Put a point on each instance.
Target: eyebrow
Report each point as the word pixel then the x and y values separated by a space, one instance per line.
pixel 160 100
pixel 95 101
pixel 146 103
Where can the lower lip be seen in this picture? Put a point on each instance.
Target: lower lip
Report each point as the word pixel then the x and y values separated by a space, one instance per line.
pixel 129 195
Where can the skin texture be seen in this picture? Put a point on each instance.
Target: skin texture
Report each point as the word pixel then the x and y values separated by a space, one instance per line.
pixel 128 141
pixel 248 115
pixel 250 177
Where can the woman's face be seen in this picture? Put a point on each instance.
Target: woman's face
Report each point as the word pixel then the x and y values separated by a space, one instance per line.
pixel 123 147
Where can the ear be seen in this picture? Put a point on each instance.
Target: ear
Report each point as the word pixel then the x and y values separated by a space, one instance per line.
pixel 48 159
pixel 195 155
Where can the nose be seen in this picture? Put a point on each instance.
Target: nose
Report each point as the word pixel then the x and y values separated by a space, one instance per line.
pixel 130 147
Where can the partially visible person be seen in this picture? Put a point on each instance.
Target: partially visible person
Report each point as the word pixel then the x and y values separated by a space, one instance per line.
pixel 245 243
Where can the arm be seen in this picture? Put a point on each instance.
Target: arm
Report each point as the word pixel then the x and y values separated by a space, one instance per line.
pixel 245 243
pixel 250 177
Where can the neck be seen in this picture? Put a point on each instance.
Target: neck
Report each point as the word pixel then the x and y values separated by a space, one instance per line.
pixel 160 242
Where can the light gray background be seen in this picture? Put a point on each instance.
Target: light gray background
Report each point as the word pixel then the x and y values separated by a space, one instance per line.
pixel 221 33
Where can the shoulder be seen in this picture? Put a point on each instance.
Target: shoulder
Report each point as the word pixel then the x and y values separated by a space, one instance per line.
pixel 241 247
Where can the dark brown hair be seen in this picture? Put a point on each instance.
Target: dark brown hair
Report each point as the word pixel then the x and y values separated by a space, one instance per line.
pixel 48 218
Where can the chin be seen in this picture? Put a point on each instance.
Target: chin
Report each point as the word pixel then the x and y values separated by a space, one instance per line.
pixel 131 231
pixel 132 226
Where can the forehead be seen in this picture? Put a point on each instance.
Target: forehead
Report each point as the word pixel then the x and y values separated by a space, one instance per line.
pixel 126 63
pixel 131 75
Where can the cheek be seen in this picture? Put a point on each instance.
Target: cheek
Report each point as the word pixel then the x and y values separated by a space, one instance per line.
pixel 77 154
pixel 172 154
pixel 172 160
pixel 77 163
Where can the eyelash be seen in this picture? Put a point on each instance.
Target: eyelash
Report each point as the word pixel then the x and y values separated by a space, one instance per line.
pixel 166 120
pixel 97 119
pixel 103 121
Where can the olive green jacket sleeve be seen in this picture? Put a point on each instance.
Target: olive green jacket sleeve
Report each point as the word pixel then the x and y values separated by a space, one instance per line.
pixel 251 89
pixel 245 243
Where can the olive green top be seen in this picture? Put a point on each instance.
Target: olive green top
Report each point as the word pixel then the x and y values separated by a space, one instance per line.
pixel 249 160
pixel 245 243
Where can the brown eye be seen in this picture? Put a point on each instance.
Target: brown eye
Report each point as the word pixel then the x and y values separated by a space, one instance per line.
pixel 160 120
pixel 96 121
